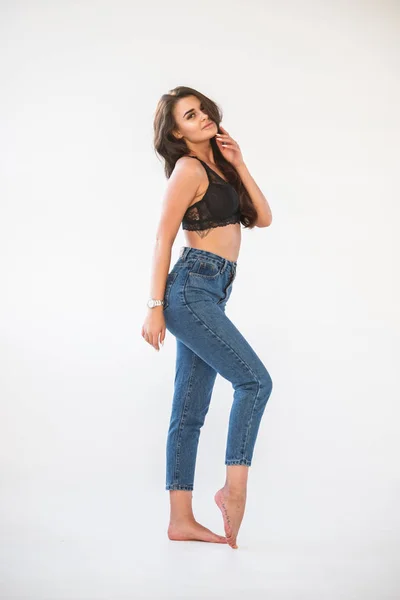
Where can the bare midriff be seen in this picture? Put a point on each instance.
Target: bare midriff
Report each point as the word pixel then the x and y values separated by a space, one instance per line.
pixel 224 240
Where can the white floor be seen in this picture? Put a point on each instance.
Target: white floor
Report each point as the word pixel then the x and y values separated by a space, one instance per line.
pixel 95 541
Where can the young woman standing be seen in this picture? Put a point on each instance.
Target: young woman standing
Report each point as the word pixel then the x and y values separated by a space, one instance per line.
pixel 211 193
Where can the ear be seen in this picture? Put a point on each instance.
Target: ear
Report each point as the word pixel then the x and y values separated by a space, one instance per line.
pixel 176 134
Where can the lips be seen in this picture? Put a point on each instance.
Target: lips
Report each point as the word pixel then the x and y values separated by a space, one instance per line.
pixel 208 124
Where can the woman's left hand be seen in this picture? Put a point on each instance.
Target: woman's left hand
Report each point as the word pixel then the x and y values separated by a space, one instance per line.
pixel 230 150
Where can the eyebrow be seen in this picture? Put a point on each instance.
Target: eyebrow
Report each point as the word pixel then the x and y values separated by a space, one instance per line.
pixel 188 111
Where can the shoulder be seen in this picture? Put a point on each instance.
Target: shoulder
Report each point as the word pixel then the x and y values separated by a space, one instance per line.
pixel 188 167
pixel 185 179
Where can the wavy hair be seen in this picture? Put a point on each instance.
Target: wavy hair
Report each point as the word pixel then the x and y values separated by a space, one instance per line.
pixel 170 148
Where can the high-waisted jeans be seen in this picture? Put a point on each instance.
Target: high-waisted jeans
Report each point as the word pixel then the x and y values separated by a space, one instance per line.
pixel 207 342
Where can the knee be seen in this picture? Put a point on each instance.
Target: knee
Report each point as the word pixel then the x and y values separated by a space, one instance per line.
pixel 265 382
pixel 259 383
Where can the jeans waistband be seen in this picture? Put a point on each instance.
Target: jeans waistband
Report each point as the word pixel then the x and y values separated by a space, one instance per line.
pixel 186 251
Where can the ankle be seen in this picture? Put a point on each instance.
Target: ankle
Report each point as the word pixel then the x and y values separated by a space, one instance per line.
pixel 179 520
pixel 234 491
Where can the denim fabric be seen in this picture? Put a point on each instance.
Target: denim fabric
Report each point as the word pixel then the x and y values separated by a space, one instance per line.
pixel 207 342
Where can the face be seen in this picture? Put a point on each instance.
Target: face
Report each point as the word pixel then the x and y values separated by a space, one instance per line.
pixel 190 120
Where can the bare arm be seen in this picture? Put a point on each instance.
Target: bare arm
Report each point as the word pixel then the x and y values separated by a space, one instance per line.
pixel 181 189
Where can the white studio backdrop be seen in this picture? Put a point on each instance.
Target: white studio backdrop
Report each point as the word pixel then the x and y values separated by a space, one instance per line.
pixel 311 91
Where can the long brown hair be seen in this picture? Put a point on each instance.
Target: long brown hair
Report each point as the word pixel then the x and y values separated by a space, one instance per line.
pixel 171 148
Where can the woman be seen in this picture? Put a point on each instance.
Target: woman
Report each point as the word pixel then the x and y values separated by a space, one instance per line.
pixel 211 192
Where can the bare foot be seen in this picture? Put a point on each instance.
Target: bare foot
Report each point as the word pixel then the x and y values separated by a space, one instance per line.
pixel 193 531
pixel 232 508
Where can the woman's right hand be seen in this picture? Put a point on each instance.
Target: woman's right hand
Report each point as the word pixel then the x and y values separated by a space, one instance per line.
pixel 153 328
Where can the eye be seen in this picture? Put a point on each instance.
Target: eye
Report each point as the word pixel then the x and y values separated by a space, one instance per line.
pixel 192 114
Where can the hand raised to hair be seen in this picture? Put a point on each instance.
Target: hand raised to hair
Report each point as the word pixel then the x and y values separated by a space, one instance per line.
pixel 229 148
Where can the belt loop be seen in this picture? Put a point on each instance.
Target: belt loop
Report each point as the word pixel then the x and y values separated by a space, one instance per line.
pixel 183 252
pixel 224 265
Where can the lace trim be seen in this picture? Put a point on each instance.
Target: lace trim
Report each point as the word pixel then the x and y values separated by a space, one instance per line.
pixel 200 225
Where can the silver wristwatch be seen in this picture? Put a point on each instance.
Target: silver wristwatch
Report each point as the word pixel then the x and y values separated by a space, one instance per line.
pixel 151 303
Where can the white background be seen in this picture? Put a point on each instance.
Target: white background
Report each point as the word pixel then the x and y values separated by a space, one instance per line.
pixel 311 92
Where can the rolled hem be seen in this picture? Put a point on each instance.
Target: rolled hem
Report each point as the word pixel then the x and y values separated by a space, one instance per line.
pixel 240 461
pixel 176 486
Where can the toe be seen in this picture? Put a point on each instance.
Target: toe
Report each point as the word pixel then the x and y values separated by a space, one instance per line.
pixel 232 541
pixel 219 538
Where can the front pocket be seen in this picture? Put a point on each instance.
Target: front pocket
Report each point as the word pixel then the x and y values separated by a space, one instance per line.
pixel 205 268
pixel 170 280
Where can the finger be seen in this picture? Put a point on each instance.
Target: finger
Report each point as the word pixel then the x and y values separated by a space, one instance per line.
pixel 226 140
pixel 231 145
pixel 162 336
pixel 223 142
pixel 155 342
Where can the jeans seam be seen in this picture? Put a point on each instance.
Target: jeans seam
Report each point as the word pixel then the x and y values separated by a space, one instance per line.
pixel 181 423
pixel 237 356
pixel 213 277
pixel 251 417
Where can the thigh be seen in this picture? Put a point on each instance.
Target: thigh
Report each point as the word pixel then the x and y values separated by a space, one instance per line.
pixel 192 373
pixel 207 331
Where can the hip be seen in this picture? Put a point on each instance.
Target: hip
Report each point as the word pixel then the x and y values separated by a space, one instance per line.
pixel 199 276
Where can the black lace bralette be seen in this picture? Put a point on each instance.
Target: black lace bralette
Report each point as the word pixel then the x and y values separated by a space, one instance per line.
pixel 218 207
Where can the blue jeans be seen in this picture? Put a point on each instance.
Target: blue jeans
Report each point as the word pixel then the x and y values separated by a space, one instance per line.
pixel 207 342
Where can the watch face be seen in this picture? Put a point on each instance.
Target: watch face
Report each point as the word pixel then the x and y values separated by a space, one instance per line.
pixel 152 303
